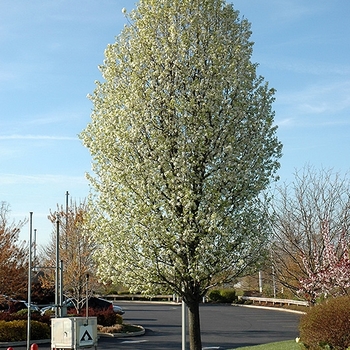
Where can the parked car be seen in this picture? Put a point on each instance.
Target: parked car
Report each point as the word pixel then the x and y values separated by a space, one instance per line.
pixel 94 303
pixel 33 307
pixel 12 305
pixel 117 309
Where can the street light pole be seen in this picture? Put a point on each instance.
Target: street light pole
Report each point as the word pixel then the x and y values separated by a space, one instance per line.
pixel 184 324
pixel 29 278
pixel 66 230
pixel 57 284
pixel 34 249
pixel 87 298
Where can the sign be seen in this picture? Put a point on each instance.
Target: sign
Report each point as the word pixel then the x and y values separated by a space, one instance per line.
pixel 86 336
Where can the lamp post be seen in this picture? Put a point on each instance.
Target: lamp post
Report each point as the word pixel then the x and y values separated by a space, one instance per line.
pixel 57 275
pixel 87 297
pixel 29 278
pixel 34 249
pixel 184 324
pixel 66 230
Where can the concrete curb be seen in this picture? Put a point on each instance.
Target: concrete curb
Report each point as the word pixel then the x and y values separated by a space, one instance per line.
pixel 271 308
pixel 23 343
pixel 100 335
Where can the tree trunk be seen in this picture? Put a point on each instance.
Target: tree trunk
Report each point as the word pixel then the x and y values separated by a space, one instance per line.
pixel 194 326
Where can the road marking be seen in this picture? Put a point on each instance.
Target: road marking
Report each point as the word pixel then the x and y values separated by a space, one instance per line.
pixel 133 341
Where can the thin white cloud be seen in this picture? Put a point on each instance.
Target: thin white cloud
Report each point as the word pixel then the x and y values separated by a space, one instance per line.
pixel 6 76
pixel 332 98
pixel 286 122
pixel 302 66
pixel 289 123
pixel 54 117
pixel 291 10
pixel 41 179
pixel 38 137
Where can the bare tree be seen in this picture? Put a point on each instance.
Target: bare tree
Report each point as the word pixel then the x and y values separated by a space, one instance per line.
pixel 75 250
pixel 13 255
pixel 300 209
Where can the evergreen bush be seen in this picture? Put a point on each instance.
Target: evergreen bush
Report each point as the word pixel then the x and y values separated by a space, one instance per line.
pixel 20 315
pixel 228 295
pixel 17 330
pixel 214 295
pixel 222 295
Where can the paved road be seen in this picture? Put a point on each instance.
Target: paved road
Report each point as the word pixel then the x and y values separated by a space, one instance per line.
pixel 223 327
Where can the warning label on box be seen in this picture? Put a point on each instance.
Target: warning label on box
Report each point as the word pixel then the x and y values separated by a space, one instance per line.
pixel 86 336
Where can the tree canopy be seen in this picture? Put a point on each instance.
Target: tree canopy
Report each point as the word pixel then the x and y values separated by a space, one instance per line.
pixel 76 252
pixel 301 209
pixel 13 256
pixel 330 275
pixel 183 143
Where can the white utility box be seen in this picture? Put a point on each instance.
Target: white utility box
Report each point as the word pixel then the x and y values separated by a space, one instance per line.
pixel 73 332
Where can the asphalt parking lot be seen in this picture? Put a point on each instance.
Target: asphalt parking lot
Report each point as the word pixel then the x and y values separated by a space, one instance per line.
pixel 222 327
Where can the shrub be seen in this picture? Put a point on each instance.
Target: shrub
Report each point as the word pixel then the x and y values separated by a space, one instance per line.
pixel 17 330
pixel 105 317
pixel 214 295
pixel 119 319
pixel 125 328
pixel 39 330
pixel 13 330
pixel 228 295
pixel 24 312
pixel 20 315
pixel 327 325
pixel 50 313
pixel 222 295
pixel 111 329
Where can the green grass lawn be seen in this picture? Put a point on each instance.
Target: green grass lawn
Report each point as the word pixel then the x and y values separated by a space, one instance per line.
pixel 283 345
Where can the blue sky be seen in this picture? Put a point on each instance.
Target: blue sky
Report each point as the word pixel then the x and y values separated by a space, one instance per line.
pixel 49 54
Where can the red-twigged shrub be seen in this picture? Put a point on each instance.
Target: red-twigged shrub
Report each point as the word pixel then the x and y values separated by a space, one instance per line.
pixel 105 317
pixel 327 325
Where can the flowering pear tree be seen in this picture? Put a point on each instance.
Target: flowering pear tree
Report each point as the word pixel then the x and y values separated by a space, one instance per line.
pixel 330 275
pixel 183 144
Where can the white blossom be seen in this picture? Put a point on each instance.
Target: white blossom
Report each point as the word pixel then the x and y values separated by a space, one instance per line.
pixel 178 165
